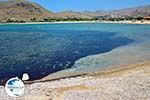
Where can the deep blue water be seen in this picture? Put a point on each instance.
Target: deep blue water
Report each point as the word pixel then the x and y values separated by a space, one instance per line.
pixel 40 50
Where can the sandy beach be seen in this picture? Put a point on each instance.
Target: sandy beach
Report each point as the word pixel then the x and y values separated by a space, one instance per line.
pixel 127 83
pixel 59 22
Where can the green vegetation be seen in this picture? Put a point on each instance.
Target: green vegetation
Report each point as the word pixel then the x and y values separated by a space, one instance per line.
pixel 109 18
pixel 98 18
pixel 12 20
pixel 33 19
pixel 66 19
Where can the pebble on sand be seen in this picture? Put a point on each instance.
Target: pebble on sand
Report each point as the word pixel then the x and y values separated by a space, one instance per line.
pixel 25 77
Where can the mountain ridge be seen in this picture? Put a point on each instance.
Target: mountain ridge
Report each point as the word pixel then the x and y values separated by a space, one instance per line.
pixel 25 10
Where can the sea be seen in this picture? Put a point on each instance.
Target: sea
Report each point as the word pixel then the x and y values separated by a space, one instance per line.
pixel 44 49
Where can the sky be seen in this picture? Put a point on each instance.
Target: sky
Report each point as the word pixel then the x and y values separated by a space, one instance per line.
pixel 92 5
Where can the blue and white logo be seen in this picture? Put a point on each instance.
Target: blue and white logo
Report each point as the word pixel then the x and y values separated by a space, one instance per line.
pixel 15 87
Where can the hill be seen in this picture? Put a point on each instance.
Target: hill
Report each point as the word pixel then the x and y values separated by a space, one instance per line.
pixel 72 14
pixel 20 10
pixel 27 11
pixel 140 11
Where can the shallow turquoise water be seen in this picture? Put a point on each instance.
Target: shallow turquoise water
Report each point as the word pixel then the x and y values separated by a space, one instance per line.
pixel 42 49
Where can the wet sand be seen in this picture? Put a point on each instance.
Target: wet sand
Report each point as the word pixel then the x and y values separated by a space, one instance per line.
pixel 124 83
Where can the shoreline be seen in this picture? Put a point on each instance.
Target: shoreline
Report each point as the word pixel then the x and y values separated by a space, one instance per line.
pixel 65 74
pixel 129 82
pixel 72 22
pixel 133 81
